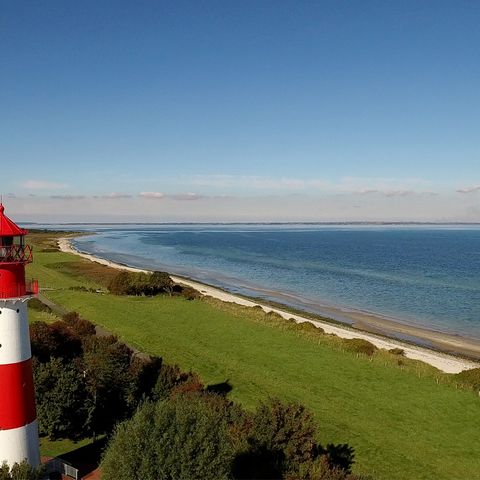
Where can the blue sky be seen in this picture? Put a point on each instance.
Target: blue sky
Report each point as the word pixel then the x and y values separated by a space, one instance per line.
pixel 245 110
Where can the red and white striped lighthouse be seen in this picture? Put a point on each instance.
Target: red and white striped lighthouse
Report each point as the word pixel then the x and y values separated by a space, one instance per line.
pixel 18 419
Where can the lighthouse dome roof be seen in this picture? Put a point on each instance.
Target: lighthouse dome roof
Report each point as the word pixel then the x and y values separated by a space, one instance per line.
pixel 7 227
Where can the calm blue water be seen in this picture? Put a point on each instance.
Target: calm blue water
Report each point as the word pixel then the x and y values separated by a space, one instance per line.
pixel 427 276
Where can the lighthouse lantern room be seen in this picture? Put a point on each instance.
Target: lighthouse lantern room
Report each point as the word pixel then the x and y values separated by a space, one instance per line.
pixel 18 420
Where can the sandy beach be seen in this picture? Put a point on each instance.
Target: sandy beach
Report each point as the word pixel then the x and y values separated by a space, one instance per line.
pixel 369 327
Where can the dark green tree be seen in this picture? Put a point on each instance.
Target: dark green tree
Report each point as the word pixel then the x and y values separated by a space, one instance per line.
pixel 54 340
pixel 162 282
pixel 144 372
pixel 172 379
pixel 277 439
pixel 21 471
pixel 183 437
pixel 61 395
pixel 78 325
pixel 105 366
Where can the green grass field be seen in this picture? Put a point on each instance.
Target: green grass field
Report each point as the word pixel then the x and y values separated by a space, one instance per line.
pixel 405 422
pixel 60 448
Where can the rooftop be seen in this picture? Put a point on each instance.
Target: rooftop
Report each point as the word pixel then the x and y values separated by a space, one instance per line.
pixel 7 227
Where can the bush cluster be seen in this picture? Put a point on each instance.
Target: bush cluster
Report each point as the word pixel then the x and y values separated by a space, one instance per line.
pixel 397 351
pixel 194 434
pixel 149 284
pixel 469 379
pixel 20 471
pixel 308 327
pixel 141 283
pixel 359 345
pixel 84 383
pixel 37 305
pixel 185 291
pixel 82 288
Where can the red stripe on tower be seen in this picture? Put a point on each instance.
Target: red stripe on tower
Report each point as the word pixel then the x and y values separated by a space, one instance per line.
pixel 17 408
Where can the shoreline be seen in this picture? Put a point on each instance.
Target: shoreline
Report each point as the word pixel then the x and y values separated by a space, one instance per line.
pixel 365 326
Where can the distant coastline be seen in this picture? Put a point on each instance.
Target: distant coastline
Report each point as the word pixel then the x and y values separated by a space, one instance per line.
pixel 333 223
pixel 376 329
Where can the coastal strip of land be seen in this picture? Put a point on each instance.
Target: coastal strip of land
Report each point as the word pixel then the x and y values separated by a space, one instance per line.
pixel 442 361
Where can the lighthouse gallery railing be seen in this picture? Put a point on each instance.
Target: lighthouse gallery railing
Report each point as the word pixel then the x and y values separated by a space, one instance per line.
pixel 16 253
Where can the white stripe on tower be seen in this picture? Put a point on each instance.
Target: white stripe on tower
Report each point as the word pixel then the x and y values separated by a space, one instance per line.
pixel 18 419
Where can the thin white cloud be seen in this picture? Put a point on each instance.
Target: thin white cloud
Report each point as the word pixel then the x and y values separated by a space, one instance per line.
pixel 366 191
pixel 386 193
pixel 151 195
pixel 396 193
pixel 388 187
pixel 277 206
pixel 399 193
pixel 43 185
pixel 68 197
pixel 115 195
pixel 186 196
pixel 382 183
pixel 157 195
pixel 471 189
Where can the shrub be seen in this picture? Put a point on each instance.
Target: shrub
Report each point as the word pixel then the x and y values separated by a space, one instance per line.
pixel 273 314
pixel 470 378
pixel 53 340
pixel 121 283
pixel 397 351
pixel 170 379
pixel 79 326
pixel 189 292
pixel 141 283
pixel 82 288
pixel 161 282
pixel 309 327
pixel 36 304
pixel 359 345
pixel 339 456
pixel 321 469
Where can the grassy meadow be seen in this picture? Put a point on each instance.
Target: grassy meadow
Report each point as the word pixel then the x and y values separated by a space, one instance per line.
pixel 405 419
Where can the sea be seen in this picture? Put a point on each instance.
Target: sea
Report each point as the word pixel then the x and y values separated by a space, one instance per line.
pixel 423 275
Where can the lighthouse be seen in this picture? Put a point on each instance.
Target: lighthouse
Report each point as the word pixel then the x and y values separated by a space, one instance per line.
pixel 18 419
